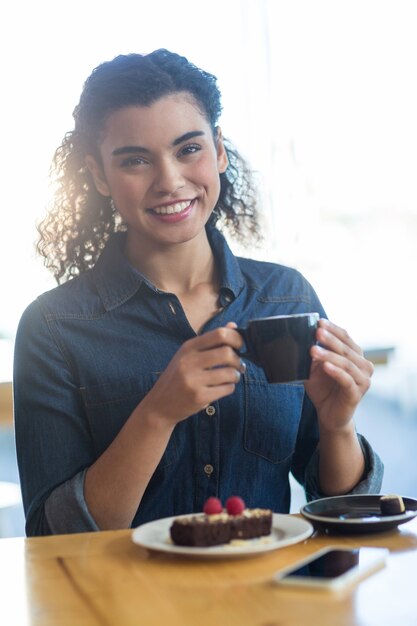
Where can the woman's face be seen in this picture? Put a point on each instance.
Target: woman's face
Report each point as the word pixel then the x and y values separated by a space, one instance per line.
pixel 161 166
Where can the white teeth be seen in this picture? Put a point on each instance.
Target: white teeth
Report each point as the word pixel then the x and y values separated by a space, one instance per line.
pixel 172 208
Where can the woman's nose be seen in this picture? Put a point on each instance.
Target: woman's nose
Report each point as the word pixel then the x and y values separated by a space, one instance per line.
pixel 168 177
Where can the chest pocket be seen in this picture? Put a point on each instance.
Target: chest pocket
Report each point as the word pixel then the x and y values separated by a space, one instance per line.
pixel 272 415
pixel 108 406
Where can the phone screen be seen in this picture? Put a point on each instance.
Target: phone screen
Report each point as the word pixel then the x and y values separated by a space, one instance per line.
pixel 333 567
pixel 329 565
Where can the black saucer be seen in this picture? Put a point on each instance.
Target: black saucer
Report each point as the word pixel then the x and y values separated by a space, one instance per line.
pixel 355 514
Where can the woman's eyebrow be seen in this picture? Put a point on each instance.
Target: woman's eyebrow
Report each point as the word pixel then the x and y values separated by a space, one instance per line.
pixel 129 150
pixel 176 142
pixel 187 136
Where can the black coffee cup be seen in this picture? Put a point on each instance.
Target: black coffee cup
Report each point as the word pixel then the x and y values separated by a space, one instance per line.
pixel 281 345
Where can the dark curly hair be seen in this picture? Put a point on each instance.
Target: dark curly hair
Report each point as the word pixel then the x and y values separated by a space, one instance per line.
pixel 80 220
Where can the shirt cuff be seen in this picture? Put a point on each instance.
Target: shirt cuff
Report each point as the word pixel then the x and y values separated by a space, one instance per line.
pixel 66 510
pixel 370 483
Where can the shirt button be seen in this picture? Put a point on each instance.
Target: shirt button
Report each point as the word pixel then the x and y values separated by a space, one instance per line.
pixel 210 410
pixel 209 469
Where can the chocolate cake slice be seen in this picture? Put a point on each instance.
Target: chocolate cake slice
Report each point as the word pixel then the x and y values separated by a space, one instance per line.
pixel 211 530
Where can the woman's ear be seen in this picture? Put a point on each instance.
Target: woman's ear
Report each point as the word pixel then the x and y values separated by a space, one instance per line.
pixel 97 173
pixel 222 159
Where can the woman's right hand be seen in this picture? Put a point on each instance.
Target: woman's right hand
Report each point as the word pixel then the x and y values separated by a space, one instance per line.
pixel 205 369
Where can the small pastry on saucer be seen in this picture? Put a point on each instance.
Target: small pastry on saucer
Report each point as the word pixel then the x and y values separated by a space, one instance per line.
pixel 391 505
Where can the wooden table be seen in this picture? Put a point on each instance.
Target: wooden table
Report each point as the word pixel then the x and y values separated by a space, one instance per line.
pixel 103 579
pixel 6 403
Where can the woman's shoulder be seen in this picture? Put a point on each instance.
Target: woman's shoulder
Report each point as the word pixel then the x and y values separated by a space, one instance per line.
pixel 258 270
pixel 278 283
pixel 74 297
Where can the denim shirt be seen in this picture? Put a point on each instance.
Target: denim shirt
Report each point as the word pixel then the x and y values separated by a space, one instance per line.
pixel 88 351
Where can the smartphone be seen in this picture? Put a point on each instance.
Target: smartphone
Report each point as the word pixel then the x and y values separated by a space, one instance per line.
pixel 333 568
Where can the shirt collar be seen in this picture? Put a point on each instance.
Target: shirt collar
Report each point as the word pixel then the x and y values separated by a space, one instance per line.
pixel 117 281
pixel 230 274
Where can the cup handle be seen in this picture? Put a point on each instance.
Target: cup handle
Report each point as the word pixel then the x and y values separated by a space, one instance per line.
pixel 248 354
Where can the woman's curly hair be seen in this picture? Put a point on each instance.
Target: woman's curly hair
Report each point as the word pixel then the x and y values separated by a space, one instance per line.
pixel 80 220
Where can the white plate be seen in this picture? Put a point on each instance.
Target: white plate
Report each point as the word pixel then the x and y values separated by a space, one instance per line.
pixel 286 530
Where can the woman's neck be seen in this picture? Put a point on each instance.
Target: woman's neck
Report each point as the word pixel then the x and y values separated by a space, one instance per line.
pixel 180 268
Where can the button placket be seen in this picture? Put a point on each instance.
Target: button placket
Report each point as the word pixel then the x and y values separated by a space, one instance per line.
pixel 208 468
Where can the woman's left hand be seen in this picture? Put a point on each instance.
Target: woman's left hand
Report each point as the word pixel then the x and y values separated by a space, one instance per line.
pixel 340 376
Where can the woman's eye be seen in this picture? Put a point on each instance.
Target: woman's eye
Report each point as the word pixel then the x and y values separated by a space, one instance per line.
pixel 133 161
pixel 189 149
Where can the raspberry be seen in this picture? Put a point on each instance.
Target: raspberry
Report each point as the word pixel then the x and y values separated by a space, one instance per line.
pixel 235 505
pixel 212 506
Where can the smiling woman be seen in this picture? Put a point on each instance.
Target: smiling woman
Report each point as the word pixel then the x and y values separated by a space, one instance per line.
pixel 128 379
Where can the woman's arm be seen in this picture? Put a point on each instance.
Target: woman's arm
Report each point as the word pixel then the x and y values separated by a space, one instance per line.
pixel 340 377
pixel 53 439
pixel 65 486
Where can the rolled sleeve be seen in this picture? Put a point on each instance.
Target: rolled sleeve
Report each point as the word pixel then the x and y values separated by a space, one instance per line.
pixel 66 510
pixel 370 483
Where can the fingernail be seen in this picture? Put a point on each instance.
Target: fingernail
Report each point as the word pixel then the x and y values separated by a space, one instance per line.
pixel 242 366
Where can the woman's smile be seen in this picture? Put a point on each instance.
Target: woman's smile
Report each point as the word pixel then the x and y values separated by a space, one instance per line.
pixel 174 212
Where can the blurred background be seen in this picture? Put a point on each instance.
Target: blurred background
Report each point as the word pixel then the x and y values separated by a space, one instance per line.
pixel 319 95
